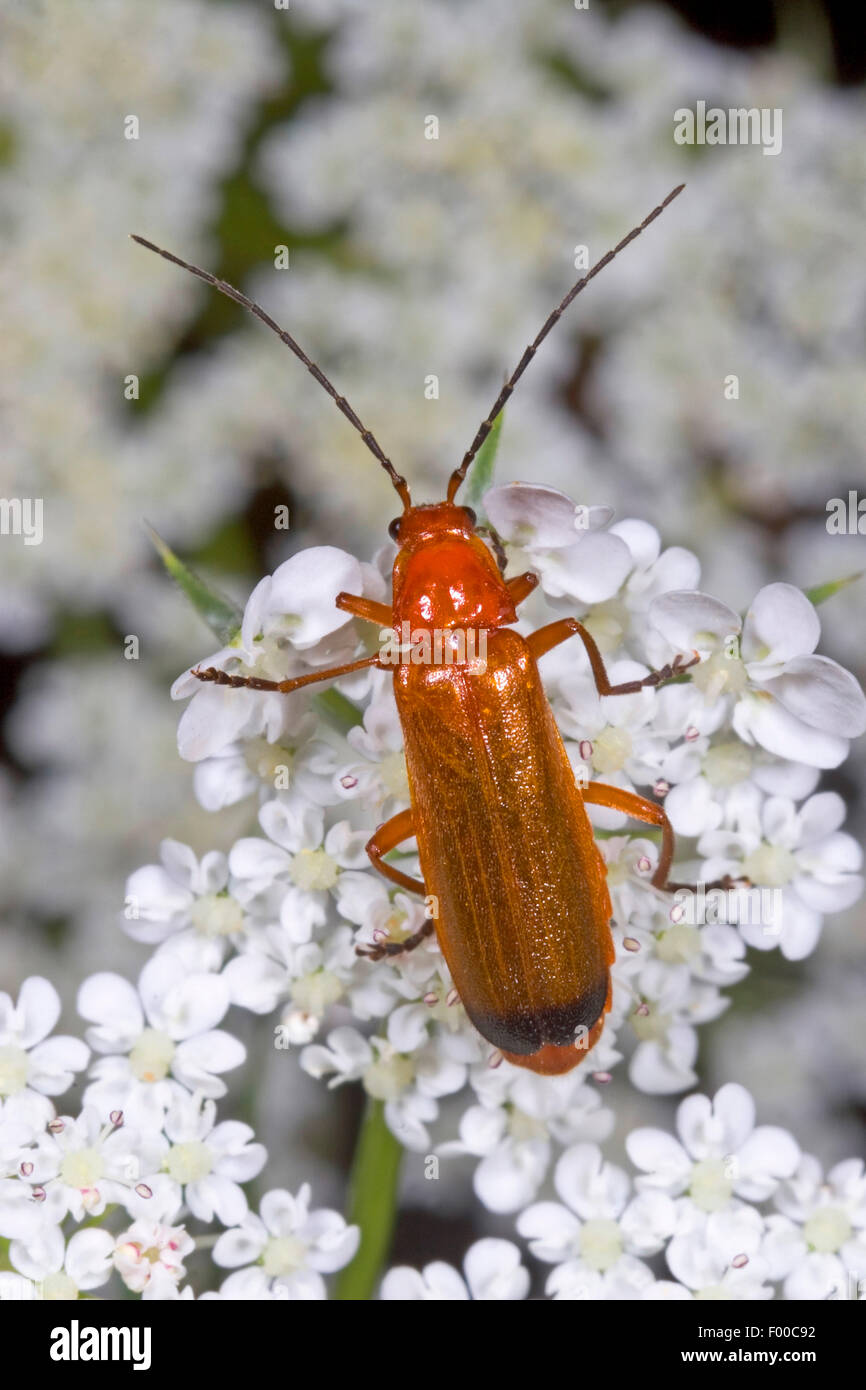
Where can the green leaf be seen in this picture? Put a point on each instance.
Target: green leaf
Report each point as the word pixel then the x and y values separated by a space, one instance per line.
pixel 373 1191
pixel 825 591
pixel 481 474
pixel 222 616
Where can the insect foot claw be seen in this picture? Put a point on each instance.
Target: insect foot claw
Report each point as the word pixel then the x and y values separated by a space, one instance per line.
pixel 218 677
pixel 680 663
pixel 672 669
pixel 367 952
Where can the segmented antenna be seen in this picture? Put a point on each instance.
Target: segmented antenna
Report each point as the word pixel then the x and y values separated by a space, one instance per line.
pixel 400 484
pixel 484 429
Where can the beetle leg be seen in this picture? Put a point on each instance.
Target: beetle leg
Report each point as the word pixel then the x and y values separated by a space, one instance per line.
pixel 380 950
pixel 599 794
pixel 387 837
pixel 550 636
pixel 521 586
pixel 217 677
pixel 367 608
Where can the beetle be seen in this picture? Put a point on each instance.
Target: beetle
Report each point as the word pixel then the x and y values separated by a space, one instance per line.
pixel 505 845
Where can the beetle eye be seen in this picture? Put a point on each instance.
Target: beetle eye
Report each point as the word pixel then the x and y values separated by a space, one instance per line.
pixel 471 515
pixel 394 528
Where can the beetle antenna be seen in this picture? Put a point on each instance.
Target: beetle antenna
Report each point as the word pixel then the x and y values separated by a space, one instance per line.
pixel 484 429
pixel 400 484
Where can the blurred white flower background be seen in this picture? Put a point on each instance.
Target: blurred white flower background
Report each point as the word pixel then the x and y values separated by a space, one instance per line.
pixel 241 136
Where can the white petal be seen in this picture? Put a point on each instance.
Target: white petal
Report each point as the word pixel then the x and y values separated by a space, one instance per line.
pixel 112 1003
pixel 759 719
pixel 661 1157
pixel 293 824
pixel 241 1245
pixel 689 619
pixel 39 1255
pixel 255 982
pixel 89 1258
pixel 820 816
pixel 590 571
pixel 642 539
pixel 179 1003
pixel 221 782
pixel 508 1179
pixel 305 590
pixel 781 623
pixel 692 808
pixel 768 1154
pixel 591 1187
pixel 198 1059
pixel 53 1064
pixel 551 1230
pixel 713 1129
pixel 494 1272
pixel 38 1008
pixel 439 1282
pixel 829 897
pixel 822 694
pixel 540 517
pixel 662 1070
pixel 214 719
pixel 817 1278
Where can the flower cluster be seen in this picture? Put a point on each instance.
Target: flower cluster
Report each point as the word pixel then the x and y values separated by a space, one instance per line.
pixel 270 926
pixel 162 1160
pixel 735 748
pixel 736 1210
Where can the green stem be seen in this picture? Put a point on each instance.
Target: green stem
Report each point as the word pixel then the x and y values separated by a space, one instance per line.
pixel 373 1190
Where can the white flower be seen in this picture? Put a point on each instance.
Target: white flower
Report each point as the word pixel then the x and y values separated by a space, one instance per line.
pixel 289 613
pixel 60 1270
pixel 296 761
pixel 88 1163
pixel 285 1250
pixel 292 873
pixel 723 776
pixel 564 542
pixel 718 1255
pixel 210 1160
pixel 148 1256
pixel 409 1074
pixel 594 1239
pixel 795 704
pixel 830 1215
pixel 720 1154
pixel 28 1057
pixel 165 1029
pixel 802 854
pixel 182 896
pixel 272 967
pixel 492 1270
pixel 380 780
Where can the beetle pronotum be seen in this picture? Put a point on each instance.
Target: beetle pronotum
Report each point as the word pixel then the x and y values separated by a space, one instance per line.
pixel 504 841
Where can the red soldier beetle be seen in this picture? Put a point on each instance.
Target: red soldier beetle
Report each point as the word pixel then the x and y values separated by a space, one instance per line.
pixel 505 845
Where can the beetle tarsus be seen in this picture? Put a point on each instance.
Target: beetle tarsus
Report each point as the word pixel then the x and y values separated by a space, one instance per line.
pixel 371 951
pixel 671 670
pixel 217 677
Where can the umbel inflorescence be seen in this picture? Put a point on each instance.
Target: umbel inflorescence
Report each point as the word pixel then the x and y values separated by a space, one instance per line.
pixel 734 749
